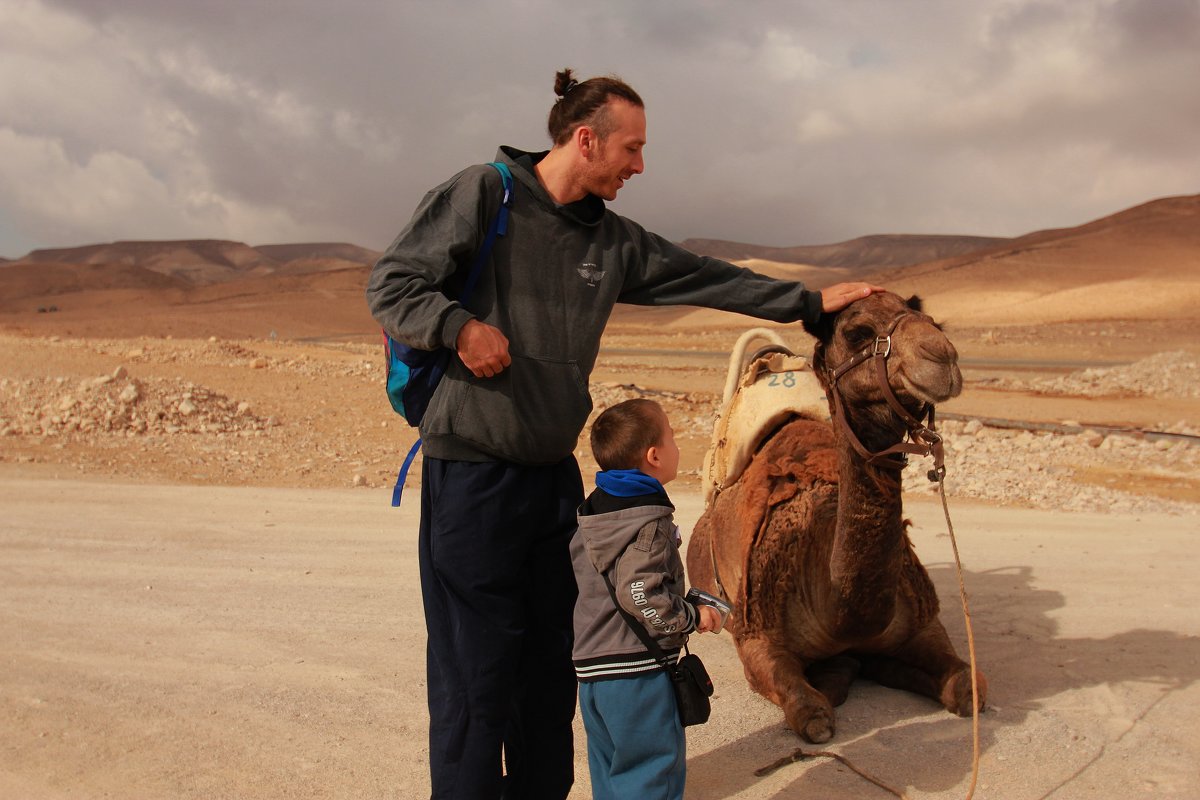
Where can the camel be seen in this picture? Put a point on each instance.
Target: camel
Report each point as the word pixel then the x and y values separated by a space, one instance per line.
pixel 809 544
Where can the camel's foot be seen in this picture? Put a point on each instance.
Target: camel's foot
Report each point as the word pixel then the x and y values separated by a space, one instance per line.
pixel 813 723
pixel 956 692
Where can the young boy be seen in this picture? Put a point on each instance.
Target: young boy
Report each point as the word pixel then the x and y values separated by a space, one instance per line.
pixel 636 745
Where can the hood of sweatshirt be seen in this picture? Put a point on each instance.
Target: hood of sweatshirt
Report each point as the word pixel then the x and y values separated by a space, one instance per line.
pixel 588 211
pixel 606 536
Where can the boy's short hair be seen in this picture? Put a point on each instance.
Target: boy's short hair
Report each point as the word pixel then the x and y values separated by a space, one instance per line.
pixel 623 433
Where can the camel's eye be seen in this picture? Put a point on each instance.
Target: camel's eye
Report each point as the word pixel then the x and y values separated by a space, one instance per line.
pixel 859 334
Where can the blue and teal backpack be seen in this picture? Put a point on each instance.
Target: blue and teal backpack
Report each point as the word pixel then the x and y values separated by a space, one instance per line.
pixel 412 374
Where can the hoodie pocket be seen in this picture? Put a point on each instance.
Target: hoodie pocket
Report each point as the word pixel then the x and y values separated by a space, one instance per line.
pixel 531 413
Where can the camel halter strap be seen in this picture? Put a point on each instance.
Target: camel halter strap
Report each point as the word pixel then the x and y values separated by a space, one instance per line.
pixel 923 440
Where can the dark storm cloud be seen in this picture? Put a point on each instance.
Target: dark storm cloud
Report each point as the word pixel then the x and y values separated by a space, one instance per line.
pixel 772 122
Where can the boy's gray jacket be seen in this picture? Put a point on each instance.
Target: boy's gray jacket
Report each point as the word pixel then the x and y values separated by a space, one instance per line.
pixel 637 549
pixel 549 288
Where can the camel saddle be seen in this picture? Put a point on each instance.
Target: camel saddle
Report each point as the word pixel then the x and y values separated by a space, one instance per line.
pixel 773 387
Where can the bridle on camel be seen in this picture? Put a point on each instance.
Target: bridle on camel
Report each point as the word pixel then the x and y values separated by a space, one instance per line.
pixel 923 440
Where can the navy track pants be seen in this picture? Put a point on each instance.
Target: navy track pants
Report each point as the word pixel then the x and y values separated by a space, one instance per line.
pixel 499 593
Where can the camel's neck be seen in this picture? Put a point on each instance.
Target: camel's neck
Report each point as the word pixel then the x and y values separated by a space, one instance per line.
pixel 870 544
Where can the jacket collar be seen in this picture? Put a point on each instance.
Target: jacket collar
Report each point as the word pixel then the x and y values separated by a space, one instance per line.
pixel 588 211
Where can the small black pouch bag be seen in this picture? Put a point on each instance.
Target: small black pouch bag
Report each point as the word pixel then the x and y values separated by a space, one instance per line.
pixel 693 687
pixel 688 676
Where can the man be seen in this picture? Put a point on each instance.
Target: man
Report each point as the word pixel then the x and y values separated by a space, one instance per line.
pixel 500 485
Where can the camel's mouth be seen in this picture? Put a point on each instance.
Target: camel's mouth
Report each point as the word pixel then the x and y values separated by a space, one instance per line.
pixel 935 384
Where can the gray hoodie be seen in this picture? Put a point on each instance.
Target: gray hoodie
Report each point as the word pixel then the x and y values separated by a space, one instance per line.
pixel 550 287
pixel 638 549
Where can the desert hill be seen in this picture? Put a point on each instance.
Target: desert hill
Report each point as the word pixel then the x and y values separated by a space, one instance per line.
pixel 287 253
pixel 195 262
pixel 1139 264
pixel 55 277
pixel 877 252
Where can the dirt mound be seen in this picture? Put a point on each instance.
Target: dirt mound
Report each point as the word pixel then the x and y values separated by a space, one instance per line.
pixel 117 404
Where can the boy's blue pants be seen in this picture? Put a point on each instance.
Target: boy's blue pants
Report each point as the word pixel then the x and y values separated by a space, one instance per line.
pixel 636 745
pixel 499 593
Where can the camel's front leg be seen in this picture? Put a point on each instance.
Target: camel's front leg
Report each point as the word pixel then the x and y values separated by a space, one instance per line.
pixel 778 676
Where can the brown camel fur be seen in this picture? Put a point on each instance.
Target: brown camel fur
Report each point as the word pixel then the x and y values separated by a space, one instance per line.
pixel 810 544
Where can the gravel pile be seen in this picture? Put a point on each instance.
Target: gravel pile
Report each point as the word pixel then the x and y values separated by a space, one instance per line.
pixel 120 405
pixel 1071 472
pixel 691 413
pixel 1173 374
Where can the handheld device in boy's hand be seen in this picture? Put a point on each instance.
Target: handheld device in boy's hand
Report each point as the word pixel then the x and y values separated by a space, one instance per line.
pixel 699 598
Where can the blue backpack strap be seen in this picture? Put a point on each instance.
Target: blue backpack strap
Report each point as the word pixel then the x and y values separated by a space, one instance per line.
pixel 398 489
pixel 499 227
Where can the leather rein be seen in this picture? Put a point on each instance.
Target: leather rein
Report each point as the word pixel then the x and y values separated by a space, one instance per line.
pixel 923 440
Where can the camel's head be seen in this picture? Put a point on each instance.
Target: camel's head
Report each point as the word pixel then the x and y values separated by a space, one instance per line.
pixel 922 365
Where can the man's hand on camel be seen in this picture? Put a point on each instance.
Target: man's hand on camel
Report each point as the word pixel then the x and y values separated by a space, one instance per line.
pixel 840 295
pixel 483 349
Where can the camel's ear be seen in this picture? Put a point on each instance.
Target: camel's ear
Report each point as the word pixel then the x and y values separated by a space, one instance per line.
pixel 818 359
pixel 822 329
pixel 914 303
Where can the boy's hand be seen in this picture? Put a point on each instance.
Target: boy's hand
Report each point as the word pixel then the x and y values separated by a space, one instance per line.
pixel 710 619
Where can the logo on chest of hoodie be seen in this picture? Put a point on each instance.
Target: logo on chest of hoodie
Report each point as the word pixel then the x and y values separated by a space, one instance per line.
pixel 590 272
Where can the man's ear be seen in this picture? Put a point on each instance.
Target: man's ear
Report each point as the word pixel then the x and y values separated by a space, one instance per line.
pixel 585 140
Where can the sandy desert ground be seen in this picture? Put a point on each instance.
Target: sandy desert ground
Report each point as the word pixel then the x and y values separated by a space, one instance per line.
pixel 220 642
pixel 204 592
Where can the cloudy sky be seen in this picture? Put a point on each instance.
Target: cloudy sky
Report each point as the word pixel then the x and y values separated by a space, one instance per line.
pixel 777 122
